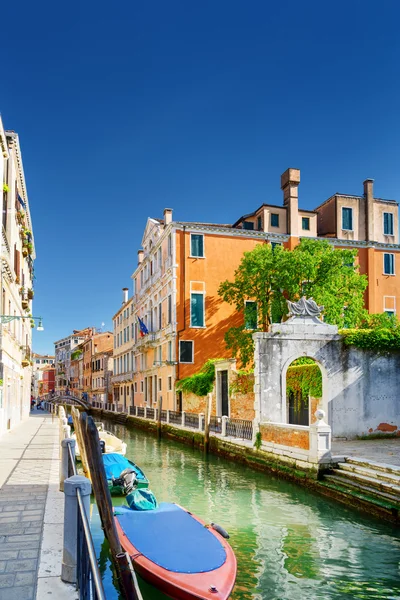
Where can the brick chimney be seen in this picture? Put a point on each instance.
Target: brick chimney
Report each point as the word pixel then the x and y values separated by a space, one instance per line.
pixel 369 208
pixel 124 295
pixel 167 216
pixel 290 180
pixel 140 256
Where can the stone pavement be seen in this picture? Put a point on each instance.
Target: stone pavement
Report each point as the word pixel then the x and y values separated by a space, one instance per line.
pixel 31 512
pixel 383 451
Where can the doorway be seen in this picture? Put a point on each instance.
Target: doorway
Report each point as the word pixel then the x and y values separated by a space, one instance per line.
pixel 223 393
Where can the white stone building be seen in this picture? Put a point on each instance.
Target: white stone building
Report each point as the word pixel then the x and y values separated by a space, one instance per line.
pixel 40 363
pixel 17 256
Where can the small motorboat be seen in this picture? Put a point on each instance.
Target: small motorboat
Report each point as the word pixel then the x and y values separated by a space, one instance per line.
pixel 177 552
pixel 123 475
pixel 108 441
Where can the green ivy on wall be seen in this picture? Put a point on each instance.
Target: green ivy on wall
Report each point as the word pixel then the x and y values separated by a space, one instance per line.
pixel 304 379
pixel 243 383
pixel 200 383
pixel 372 339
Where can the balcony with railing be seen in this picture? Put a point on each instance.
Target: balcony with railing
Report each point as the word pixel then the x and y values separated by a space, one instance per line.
pixel 123 377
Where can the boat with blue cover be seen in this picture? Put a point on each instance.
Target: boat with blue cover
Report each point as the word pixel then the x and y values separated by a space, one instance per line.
pixel 123 475
pixel 177 552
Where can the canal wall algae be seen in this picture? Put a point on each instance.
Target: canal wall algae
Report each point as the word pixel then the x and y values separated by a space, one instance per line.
pixel 244 453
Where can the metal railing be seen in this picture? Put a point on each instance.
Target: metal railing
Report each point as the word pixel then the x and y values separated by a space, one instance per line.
pixel 236 428
pixel 239 428
pixel 191 420
pixel 89 582
pixel 175 417
pixel 216 424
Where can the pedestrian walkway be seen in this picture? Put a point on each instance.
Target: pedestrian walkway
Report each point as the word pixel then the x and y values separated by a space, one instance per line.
pixel 31 512
pixel 385 451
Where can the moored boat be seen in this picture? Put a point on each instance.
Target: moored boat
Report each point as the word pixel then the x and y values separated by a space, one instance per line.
pixel 177 552
pixel 109 442
pixel 123 475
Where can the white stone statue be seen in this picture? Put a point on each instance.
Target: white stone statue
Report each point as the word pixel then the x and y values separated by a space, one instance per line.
pixel 304 308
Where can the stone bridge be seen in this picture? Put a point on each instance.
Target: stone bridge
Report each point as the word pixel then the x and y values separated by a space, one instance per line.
pixel 64 399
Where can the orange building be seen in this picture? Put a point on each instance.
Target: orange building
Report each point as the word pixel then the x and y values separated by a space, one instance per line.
pixel 92 348
pixel 182 264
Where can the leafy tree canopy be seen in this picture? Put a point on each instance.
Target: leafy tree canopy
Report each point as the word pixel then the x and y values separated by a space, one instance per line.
pixel 270 276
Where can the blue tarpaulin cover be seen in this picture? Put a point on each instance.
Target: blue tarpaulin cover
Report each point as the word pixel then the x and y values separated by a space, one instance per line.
pixel 114 464
pixel 171 538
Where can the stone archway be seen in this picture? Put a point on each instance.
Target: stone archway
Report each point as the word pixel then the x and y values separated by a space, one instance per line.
pixel 276 350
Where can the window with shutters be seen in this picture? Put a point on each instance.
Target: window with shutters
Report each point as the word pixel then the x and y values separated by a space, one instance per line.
pixel 169 309
pixel 259 223
pixel 305 223
pixel 388 223
pixel 388 264
pixel 274 220
pixel 347 218
pixel 196 245
pixel 196 309
pixel 185 351
pixel 16 261
pixel 248 225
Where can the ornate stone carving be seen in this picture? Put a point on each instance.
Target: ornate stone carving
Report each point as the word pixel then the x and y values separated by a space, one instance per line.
pixel 304 308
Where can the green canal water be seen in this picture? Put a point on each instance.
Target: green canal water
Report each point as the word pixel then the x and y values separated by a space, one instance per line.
pixel 290 544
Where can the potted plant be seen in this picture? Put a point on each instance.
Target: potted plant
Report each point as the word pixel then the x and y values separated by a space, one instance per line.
pixel 25 362
pixel 31 293
pixel 25 252
pixel 20 216
pixel 29 247
pixel 5 188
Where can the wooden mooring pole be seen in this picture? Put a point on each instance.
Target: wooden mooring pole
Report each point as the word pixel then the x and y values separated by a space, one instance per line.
pixel 103 500
pixel 79 438
pixel 159 409
pixel 207 418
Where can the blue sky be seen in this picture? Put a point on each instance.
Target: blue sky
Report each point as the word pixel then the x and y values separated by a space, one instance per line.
pixel 124 109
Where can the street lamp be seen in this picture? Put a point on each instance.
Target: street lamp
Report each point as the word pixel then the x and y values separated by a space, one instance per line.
pixel 8 318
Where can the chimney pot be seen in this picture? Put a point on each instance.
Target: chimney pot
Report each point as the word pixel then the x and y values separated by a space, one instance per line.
pixel 140 254
pixel 124 295
pixel 167 216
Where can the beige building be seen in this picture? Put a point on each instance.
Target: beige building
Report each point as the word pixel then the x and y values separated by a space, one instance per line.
pixel 41 362
pixel 123 356
pixel 17 258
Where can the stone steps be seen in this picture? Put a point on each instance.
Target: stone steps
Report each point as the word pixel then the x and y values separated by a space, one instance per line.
pixel 370 464
pixel 384 486
pixel 380 475
pixel 366 490
pixel 364 495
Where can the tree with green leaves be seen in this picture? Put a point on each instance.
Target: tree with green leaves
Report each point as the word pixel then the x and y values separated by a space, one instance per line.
pixel 268 276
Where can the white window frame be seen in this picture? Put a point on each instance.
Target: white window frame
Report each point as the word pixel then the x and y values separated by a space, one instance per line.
pixel 389 310
pixel 204 310
pixel 352 218
pixel 383 223
pixel 204 248
pixel 394 264
pixel 141 386
pixel 184 362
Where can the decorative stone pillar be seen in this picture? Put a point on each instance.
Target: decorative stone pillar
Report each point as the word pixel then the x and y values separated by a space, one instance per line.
pixel 145 412
pixel 320 440
pixel 65 459
pixel 183 418
pixel 224 420
pixel 70 540
pixel 167 415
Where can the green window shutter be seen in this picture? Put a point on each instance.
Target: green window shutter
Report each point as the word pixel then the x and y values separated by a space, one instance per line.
pixel 389 264
pixel 305 223
pixel 197 310
pixel 388 223
pixel 250 315
pixel 197 245
pixel 248 225
pixel 347 218
pixel 274 220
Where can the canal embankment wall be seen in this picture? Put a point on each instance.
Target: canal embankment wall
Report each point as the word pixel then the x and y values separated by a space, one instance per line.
pixel 245 452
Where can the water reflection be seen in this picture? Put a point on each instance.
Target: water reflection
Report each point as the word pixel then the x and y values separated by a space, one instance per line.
pixel 289 543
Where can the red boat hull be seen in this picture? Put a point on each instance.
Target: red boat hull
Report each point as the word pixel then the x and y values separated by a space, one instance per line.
pixel 212 585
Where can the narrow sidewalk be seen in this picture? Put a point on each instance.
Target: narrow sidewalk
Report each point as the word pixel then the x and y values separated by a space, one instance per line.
pixel 31 512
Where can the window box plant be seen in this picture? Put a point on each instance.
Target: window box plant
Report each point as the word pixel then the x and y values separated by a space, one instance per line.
pixel 25 252
pixel 25 362
pixel 31 293
pixel 5 188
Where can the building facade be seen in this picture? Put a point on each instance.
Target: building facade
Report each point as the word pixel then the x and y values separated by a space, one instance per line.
pixel 47 384
pixel 40 363
pixel 63 350
pixel 98 347
pixel 17 260
pixel 175 320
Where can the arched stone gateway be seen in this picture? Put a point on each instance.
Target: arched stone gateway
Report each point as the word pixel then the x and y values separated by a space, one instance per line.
pixel 359 387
